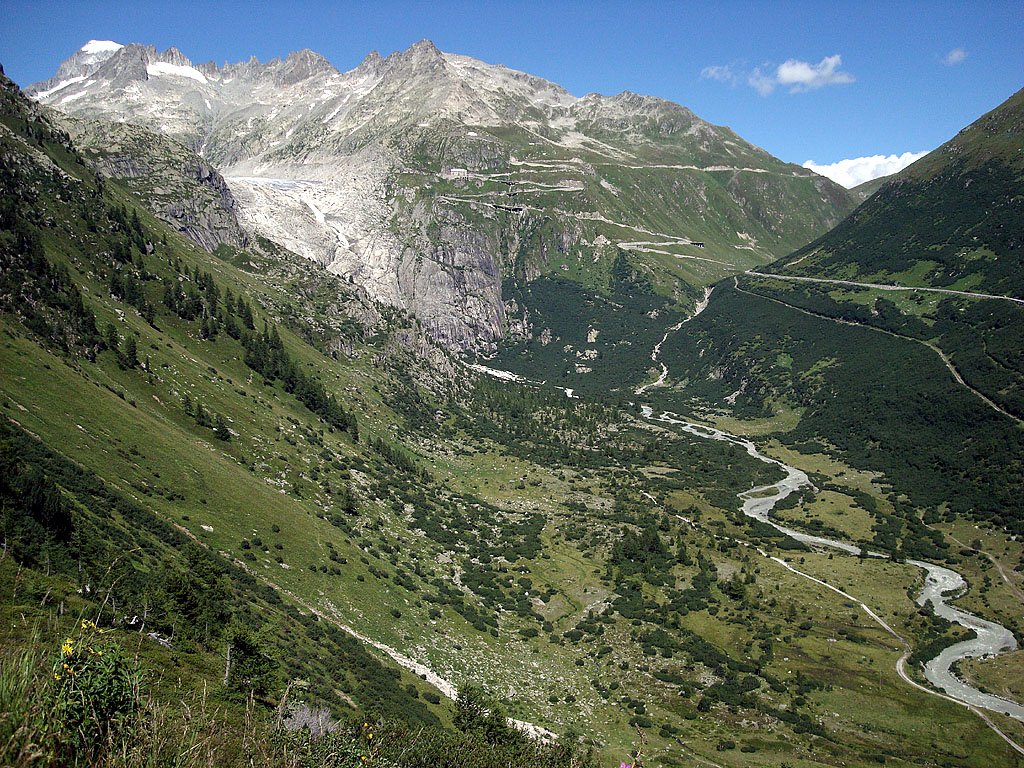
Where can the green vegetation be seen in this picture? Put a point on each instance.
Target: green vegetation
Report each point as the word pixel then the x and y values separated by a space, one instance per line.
pixel 944 223
pixel 936 634
pixel 950 324
pixel 854 392
pixel 561 211
pixel 180 466
pixel 604 344
pixel 92 707
pixel 950 221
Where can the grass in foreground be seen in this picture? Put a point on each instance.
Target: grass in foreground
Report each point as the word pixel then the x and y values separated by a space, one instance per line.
pixel 85 703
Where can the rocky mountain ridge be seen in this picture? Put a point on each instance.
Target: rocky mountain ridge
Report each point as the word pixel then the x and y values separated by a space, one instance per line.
pixel 184 418
pixel 437 181
pixel 181 188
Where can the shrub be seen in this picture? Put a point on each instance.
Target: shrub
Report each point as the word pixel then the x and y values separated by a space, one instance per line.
pixel 94 699
pixel 80 708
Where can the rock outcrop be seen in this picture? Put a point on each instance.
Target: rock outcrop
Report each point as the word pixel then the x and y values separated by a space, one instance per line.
pixel 435 181
pixel 180 187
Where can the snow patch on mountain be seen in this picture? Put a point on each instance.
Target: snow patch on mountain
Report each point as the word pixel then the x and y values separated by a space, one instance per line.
pixel 158 68
pixel 72 97
pixel 60 86
pixel 340 167
pixel 100 46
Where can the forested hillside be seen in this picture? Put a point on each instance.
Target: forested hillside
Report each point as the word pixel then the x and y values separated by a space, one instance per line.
pixel 249 516
pixel 954 219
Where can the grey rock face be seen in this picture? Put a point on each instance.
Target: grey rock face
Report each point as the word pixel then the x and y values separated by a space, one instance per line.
pixel 180 187
pixel 208 216
pixel 452 281
pixel 431 180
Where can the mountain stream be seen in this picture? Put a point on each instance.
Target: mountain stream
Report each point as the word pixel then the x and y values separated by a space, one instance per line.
pixel 941 584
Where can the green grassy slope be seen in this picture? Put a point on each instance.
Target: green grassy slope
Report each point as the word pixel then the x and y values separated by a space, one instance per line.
pixel 925 388
pixel 868 188
pixel 654 198
pixel 503 535
pixel 952 219
pixel 881 402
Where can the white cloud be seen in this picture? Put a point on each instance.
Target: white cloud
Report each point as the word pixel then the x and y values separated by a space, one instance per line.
pixel 850 173
pixel 798 76
pixel 803 76
pixel 722 73
pixel 760 82
pixel 954 57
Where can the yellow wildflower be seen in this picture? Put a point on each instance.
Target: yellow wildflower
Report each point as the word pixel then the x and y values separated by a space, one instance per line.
pixel 68 648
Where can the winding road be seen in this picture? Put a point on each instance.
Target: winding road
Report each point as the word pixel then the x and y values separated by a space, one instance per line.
pixel 941 585
pixel 991 639
pixel 884 286
pixel 957 377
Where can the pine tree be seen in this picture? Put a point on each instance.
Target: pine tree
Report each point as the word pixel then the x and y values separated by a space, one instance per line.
pixel 116 286
pixel 111 338
pixel 220 428
pixel 231 327
pixel 202 417
pixel 130 353
pixel 246 313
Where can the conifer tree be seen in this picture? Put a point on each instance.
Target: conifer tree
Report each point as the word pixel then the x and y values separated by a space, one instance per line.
pixel 220 428
pixel 130 353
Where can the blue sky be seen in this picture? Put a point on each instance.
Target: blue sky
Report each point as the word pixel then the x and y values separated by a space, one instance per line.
pixel 909 74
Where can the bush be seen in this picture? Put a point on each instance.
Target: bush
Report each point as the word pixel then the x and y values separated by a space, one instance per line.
pixel 81 708
pixel 94 700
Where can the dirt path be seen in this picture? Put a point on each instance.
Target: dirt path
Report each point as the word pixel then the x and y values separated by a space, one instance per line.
pixel 885 286
pixel 759 506
pixel 443 685
pixel 1017 592
pixel 942 355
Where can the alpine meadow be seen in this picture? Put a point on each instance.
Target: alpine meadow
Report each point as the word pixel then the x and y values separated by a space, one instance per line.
pixel 427 414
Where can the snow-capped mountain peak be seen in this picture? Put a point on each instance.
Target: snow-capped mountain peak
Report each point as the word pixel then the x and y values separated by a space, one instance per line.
pixel 85 60
pixel 99 47
pixel 351 168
